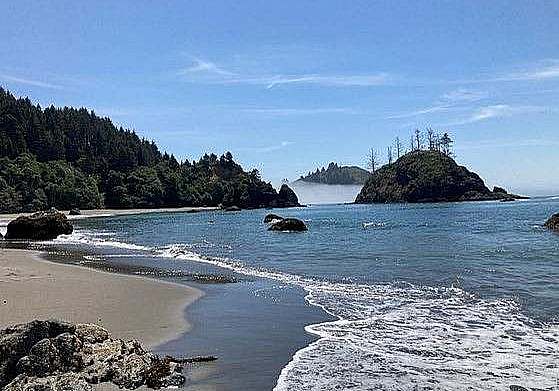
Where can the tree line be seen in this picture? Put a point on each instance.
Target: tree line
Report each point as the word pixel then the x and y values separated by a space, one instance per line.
pixel 338 175
pixel 429 139
pixel 72 158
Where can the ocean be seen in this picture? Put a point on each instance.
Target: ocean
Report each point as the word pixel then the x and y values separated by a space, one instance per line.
pixel 455 296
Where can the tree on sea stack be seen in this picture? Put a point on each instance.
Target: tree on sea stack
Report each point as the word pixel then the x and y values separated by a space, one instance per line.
pixel 446 145
pixel 398 146
pixel 372 160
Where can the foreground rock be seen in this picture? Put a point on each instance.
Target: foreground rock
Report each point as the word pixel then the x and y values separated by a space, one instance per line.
pixel 271 217
pixel 289 224
pixel 39 226
pixel 427 176
pixel 53 355
pixel 553 222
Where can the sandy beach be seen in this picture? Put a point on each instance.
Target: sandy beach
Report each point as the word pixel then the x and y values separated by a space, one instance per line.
pixel 149 310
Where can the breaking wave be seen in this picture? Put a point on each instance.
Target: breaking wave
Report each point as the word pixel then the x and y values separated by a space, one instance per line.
pixel 399 336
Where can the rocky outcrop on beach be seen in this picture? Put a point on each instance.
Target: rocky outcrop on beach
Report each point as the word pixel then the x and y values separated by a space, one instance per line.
pixel 232 208
pixel 289 225
pixel 427 176
pixel 74 212
pixel 53 355
pixel 553 222
pixel 40 226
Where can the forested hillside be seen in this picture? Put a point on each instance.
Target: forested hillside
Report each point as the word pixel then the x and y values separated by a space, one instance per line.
pixel 67 158
pixel 338 175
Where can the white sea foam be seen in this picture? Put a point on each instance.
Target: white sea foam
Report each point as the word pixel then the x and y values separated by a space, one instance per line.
pixel 96 239
pixel 404 337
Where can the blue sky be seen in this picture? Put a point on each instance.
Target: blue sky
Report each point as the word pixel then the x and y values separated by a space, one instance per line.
pixel 288 86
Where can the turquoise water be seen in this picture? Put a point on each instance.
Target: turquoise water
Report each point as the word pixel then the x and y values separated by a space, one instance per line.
pixel 461 296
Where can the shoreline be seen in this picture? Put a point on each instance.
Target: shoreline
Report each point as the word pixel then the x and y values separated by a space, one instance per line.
pixel 149 310
pixel 5 218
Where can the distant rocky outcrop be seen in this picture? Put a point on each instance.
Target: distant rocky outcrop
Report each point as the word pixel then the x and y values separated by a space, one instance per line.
pixel 287 197
pixel 427 176
pixel 553 222
pixel 39 226
pixel 337 175
pixel 54 356
pixel 288 224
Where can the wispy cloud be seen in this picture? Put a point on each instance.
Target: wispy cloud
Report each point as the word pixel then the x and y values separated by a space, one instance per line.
pixel 295 111
pixel 30 82
pixel 500 111
pixel 548 69
pixel 330 80
pixel 463 95
pixel 201 66
pixel 207 72
pixel 449 101
pixel 417 113
pixel 269 148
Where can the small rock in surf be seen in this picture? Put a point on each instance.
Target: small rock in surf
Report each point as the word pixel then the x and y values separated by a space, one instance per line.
pixel 289 224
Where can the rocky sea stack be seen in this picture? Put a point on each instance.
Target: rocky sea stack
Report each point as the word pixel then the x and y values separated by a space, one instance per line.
pixel 54 356
pixel 40 226
pixel 427 176
pixel 287 197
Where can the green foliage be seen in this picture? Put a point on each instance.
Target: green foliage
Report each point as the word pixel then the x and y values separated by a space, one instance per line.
pixel 66 158
pixel 423 176
pixel 28 185
pixel 338 175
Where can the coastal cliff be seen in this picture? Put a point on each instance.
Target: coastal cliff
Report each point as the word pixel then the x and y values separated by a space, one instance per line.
pixel 427 176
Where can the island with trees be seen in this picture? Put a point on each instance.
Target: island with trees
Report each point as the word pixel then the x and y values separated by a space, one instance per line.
pixel 337 175
pixel 426 172
pixel 71 158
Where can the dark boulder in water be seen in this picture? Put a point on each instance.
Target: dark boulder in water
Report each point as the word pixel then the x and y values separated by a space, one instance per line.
pixel 271 217
pixel 289 224
pixel 232 208
pixel 553 222
pixel 74 212
pixel 40 226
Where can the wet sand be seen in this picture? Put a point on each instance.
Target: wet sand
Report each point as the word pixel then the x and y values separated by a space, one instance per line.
pixel 149 310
